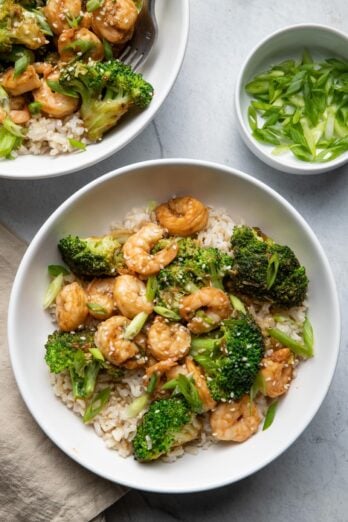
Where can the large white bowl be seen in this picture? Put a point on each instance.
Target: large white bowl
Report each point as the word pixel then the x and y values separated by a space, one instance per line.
pixel 90 211
pixel 323 42
pixel 160 69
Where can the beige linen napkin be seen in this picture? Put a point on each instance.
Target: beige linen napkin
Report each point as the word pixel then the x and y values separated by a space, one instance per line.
pixel 38 482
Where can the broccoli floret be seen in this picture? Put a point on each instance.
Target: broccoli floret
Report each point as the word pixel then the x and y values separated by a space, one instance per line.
pixel 232 368
pixel 168 423
pixel 18 26
pixel 90 257
pixel 266 270
pixel 70 351
pixel 193 268
pixel 108 90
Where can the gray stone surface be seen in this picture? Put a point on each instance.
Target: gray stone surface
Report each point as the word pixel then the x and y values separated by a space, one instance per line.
pixel 309 482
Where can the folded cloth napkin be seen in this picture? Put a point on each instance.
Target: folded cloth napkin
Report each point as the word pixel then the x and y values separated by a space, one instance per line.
pixel 38 482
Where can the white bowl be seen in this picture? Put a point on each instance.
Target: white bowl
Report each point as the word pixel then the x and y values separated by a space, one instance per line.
pixel 323 42
pixel 160 69
pixel 90 211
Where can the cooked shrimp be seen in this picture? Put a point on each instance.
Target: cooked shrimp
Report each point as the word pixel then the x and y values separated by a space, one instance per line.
pixel 235 421
pixel 100 297
pixel 215 303
pixel 25 82
pixel 69 36
pixel 115 20
pixel 54 104
pixel 19 112
pixel 168 340
pixel 137 248
pixel 161 367
pixel 130 296
pixel 71 307
pixel 43 68
pixel 182 216
pixel 109 338
pixel 189 368
pixel 59 12
pixel 277 370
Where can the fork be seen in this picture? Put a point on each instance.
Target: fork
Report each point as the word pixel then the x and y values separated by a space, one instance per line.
pixel 145 33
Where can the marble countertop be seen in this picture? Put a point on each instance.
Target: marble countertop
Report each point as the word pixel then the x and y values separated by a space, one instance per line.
pixel 309 482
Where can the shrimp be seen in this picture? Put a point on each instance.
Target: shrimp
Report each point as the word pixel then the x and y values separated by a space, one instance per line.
pixel 189 368
pixel 71 307
pixel 100 297
pixel 216 306
pixel 277 371
pixel 54 104
pixel 136 251
pixel 161 367
pixel 235 421
pixel 130 296
pixel 60 12
pixel 83 35
pixel 168 340
pixel 43 68
pixel 19 112
pixel 25 82
pixel 115 20
pixel 109 338
pixel 182 216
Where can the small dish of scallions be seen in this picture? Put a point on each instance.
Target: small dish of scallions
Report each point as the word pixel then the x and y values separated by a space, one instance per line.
pixel 292 99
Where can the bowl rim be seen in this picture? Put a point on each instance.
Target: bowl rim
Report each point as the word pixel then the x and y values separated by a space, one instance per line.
pixel 26 260
pixel 55 171
pixel 252 144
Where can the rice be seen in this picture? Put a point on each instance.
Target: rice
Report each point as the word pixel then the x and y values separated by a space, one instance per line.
pixel 51 136
pixel 113 424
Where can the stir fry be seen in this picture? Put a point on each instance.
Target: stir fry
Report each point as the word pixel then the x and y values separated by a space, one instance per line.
pixel 58 61
pixel 212 334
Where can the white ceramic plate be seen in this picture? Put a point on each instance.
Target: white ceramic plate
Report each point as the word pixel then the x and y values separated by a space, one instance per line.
pixel 323 42
pixel 160 69
pixel 90 211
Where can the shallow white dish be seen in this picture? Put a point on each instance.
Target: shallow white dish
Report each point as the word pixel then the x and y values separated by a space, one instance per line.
pixel 323 42
pixel 90 211
pixel 160 69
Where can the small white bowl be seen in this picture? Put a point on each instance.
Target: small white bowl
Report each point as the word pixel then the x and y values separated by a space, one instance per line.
pixel 160 69
pixel 90 212
pixel 323 42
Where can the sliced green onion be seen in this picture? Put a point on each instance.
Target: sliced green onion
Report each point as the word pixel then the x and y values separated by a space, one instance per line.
pixel 205 343
pixel 270 414
pixel 82 46
pixel 13 128
pixel 152 383
pixel 135 325
pixel 77 144
pixel 138 405
pixel 308 336
pixel 55 86
pixel 237 304
pixel 150 207
pixel 8 143
pixel 96 405
pixel 272 270
pixel 41 19
pixel 53 290
pixel 73 22
pixel 259 385
pixel 97 354
pixel 4 99
pixel 170 385
pixel 55 270
pixel 21 65
pixel 93 5
pixel 188 389
pixel 205 318
pixel 252 117
pixel 151 288
pixel 96 308
pixel 35 107
pixel 165 312
pixel 139 4
pixel 108 52
pixel 285 340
